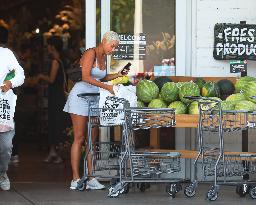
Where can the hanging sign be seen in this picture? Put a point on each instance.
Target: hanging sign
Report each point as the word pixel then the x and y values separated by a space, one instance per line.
pixel 238 66
pixel 125 50
pixel 234 41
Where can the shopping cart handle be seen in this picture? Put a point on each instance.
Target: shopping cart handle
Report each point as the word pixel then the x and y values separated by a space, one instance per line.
pixel 193 97
pixel 82 95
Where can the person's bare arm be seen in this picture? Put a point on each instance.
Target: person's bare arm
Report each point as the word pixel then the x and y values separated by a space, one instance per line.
pixel 111 76
pixel 53 73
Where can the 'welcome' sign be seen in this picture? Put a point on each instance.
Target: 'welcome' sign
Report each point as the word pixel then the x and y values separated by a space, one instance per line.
pixel 234 42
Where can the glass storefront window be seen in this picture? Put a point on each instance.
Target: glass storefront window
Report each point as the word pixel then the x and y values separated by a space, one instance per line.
pixel 155 20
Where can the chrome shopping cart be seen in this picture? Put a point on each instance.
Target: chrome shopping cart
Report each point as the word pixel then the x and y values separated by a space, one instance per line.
pixel 146 166
pixel 213 160
pixel 104 156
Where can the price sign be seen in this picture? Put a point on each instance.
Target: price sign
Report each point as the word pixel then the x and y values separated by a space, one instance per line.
pixel 238 66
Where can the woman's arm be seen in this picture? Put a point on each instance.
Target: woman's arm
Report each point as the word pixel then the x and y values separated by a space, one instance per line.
pixel 86 62
pixel 112 76
pixel 53 73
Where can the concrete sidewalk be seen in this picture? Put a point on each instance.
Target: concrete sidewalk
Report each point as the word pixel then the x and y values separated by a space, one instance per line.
pixel 34 182
pixel 58 193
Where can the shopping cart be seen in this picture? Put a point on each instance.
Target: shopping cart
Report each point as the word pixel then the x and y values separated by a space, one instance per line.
pixel 214 161
pixel 104 155
pixel 146 167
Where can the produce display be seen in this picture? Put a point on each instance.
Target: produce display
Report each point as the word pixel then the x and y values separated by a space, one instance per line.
pixel 163 93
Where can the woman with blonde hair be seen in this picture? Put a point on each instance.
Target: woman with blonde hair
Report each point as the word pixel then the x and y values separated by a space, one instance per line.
pixel 93 63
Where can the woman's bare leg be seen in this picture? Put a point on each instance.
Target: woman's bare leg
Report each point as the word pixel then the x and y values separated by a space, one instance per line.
pixel 79 127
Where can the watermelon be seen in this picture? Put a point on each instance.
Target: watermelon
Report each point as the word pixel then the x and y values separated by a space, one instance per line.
pixel 200 82
pixel 160 81
pixel 169 92
pixel 180 107
pixel 157 103
pixel 236 97
pixel 245 105
pixel 193 108
pixel 249 91
pixel 140 104
pixel 188 89
pixel 146 91
pixel 227 105
pixel 226 88
pixel 210 89
pixel 241 83
pixel 179 84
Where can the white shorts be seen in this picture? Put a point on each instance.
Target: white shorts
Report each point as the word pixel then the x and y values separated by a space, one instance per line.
pixel 78 105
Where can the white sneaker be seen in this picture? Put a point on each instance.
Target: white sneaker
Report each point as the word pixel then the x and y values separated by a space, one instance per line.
pixel 4 182
pixel 94 184
pixel 73 185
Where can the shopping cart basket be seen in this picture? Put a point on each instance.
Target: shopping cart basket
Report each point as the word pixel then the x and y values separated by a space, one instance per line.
pixel 215 162
pixel 104 155
pixel 147 167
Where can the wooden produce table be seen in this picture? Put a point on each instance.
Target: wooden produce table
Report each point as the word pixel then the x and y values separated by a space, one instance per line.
pixel 192 154
pixel 185 120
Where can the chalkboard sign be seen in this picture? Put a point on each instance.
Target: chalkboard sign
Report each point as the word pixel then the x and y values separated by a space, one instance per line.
pixel 234 41
pixel 237 66
pixel 125 50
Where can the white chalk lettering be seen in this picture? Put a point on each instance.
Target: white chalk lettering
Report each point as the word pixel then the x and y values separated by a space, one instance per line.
pixel 243 33
pixel 241 49
pixel 235 34
pixel 250 33
pixel 227 32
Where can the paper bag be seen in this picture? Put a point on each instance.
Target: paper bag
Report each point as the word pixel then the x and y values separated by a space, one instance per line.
pixel 7 110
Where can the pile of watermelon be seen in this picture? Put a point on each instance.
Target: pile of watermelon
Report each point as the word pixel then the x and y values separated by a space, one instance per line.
pixel 163 93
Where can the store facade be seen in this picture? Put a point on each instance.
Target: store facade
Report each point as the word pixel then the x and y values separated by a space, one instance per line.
pixel 189 25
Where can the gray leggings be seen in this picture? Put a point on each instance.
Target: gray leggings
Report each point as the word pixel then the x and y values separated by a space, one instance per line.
pixel 5 149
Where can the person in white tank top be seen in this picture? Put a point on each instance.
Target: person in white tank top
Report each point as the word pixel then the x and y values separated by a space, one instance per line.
pixel 93 74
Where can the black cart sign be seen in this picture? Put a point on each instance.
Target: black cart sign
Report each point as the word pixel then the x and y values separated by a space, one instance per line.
pixel 234 42
pixel 125 50
pixel 237 66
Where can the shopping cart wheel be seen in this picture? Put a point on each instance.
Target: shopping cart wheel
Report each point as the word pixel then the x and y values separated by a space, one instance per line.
pixel 242 190
pixel 190 191
pixel 252 192
pixel 173 188
pixel 212 195
pixel 112 193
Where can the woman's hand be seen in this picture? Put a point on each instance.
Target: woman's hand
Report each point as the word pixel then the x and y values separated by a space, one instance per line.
pixel 7 85
pixel 122 72
pixel 110 89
